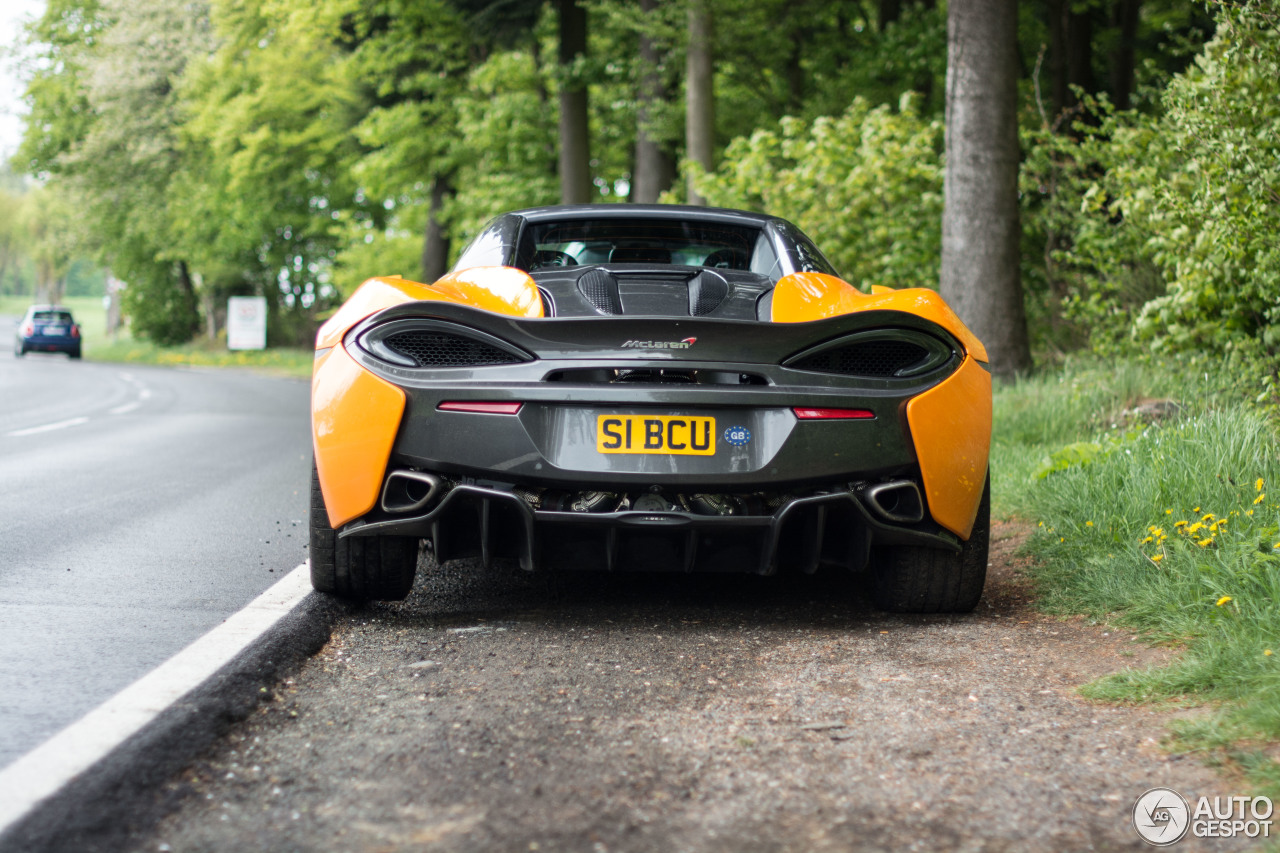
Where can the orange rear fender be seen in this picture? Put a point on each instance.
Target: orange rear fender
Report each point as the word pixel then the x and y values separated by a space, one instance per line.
pixel 502 290
pixel 805 296
pixel 354 420
pixel 951 429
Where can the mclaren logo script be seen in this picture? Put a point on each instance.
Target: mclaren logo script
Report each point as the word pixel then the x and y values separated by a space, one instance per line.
pixel 685 344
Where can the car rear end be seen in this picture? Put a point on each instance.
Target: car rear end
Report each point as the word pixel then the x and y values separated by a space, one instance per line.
pixel 48 329
pixel 655 445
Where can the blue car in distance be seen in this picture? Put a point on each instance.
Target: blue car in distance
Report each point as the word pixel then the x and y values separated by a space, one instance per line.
pixel 47 328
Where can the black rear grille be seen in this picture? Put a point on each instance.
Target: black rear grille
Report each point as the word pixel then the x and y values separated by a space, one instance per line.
pixel 879 358
pixel 427 348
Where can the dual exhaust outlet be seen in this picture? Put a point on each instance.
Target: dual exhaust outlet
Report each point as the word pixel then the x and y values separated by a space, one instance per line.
pixel 408 491
pixel 896 500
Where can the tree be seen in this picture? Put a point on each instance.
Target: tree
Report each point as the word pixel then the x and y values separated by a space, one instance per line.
pixel 655 165
pixel 980 228
pixel 106 129
pixel 575 138
pixel 700 99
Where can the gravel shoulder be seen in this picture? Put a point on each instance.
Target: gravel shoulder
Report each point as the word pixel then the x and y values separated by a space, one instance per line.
pixel 597 713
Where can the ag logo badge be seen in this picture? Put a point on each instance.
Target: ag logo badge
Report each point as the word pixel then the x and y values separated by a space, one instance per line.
pixel 1161 816
pixel 737 435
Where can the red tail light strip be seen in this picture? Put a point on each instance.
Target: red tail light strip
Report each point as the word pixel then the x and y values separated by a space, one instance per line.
pixel 833 414
pixel 482 408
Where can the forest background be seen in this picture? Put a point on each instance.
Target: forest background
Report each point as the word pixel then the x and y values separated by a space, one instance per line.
pixel 200 149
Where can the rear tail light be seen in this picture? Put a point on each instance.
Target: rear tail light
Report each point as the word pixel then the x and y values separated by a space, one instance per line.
pixel 806 414
pixel 483 408
pixel 75 331
pixel 28 330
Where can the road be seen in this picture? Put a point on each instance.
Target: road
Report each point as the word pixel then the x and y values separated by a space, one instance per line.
pixel 596 713
pixel 139 507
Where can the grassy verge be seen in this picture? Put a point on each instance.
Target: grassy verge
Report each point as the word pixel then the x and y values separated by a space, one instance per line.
pixel 92 317
pixel 1169 526
pixel 279 360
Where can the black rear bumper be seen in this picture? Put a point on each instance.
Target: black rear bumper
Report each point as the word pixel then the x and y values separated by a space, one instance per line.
pixel 801 534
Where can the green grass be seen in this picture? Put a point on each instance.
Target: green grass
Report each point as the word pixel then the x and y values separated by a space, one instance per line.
pixel 92 317
pixel 1129 529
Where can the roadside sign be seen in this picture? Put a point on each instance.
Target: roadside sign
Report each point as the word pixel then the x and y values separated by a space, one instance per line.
pixel 247 322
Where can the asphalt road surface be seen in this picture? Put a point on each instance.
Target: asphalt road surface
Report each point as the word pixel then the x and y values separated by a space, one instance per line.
pixel 590 713
pixel 139 507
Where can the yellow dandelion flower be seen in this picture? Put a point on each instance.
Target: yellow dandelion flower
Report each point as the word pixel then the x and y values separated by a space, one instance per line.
pixel 1195 509
pixel 1155 558
pixel 1061 540
pixel 1259 499
pixel 1145 541
pixel 1168 512
pixel 1208 516
pixel 1267 653
pixel 1205 543
pixel 1224 600
pixel 1088 524
pixel 1195 528
pixel 1179 524
pixel 1042 524
pixel 1248 512
pixel 1257 487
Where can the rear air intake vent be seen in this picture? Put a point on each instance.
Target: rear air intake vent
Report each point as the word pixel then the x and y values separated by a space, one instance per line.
pixel 433 349
pixel 882 356
pixel 430 344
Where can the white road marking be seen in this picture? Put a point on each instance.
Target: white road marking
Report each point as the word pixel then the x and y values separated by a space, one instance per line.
pixel 47 427
pixel 125 409
pixel 144 394
pixel 45 769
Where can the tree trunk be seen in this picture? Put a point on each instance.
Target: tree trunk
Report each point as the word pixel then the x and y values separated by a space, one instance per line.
pixel 980 227
pixel 700 104
pixel 655 169
pixel 1125 20
pixel 575 142
pixel 435 240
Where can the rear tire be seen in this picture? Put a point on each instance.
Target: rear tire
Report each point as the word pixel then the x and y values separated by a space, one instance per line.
pixel 358 567
pixel 911 579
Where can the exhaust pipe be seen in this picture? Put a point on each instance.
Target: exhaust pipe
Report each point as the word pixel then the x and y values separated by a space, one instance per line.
pixel 409 491
pixel 896 500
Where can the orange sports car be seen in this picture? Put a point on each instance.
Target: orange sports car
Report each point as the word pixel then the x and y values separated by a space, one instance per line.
pixel 651 388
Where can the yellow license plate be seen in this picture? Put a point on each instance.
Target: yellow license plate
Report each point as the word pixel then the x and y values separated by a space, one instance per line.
pixel 673 434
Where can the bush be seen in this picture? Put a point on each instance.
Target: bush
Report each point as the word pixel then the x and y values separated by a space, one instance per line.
pixel 865 185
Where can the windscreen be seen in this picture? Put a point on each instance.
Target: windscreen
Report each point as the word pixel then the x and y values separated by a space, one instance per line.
pixel 639 241
pixel 52 316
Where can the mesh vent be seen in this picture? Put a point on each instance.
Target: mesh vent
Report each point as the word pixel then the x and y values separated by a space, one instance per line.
pixel 436 349
pixel 866 358
pixel 601 290
pixel 706 292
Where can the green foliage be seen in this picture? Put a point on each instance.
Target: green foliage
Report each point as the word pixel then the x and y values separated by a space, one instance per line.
pixel 1172 528
pixel 865 185
pixel 1220 209
pixel 508 135
pixel 158 311
pixel 1158 230
pixel 1086 216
